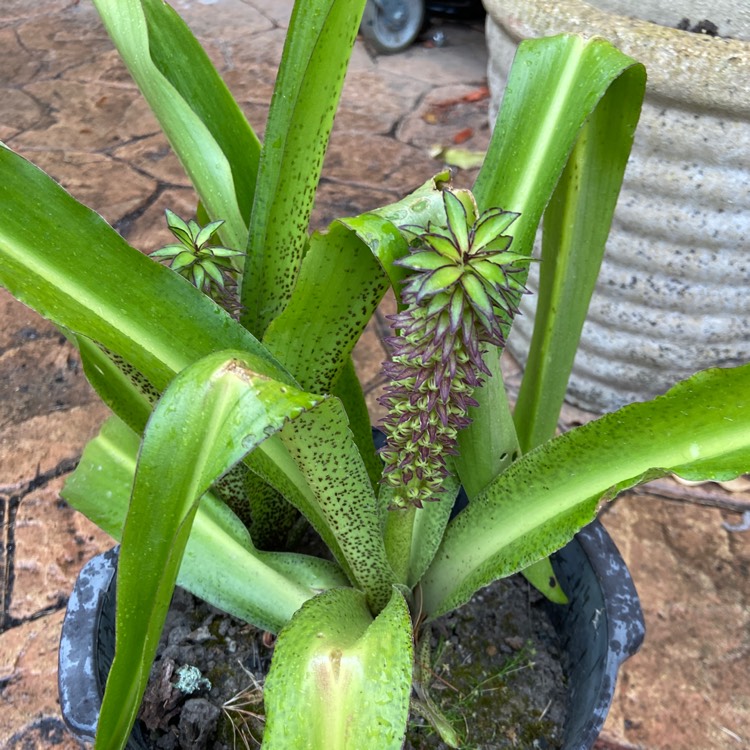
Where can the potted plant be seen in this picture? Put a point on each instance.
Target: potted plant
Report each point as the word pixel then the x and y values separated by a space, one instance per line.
pixel 671 295
pixel 237 409
pixel 599 627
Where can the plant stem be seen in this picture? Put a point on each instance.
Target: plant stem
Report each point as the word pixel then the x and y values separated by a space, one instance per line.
pixel 399 529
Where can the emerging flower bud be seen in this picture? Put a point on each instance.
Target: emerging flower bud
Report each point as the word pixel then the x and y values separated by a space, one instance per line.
pixel 208 266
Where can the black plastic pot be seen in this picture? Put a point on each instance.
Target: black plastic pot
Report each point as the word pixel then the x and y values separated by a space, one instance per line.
pixel 600 628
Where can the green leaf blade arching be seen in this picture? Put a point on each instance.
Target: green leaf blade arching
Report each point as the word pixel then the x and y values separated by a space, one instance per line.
pixel 211 415
pixel 203 123
pixel 556 87
pixel 308 86
pixel 565 139
pixel 576 225
pixel 343 506
pixel 220 563
pixel 64 261
pixel 339 287
pixel 340 679
pixel 699 429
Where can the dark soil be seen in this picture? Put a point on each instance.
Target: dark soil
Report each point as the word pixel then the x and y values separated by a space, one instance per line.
pixel 494 672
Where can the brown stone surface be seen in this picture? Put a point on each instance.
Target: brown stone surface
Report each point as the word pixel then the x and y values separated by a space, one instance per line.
pixel 28 669
pixel 67 103
pixel 47 412
pixel 694 579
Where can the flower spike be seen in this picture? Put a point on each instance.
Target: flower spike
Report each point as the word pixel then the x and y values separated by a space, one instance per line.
pixel 462 290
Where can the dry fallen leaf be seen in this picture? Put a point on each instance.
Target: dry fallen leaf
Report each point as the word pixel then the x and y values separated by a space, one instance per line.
pixel 462 158
pixel 462 135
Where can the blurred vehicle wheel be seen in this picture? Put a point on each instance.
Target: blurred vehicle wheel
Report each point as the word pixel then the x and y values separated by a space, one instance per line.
pixel 392 25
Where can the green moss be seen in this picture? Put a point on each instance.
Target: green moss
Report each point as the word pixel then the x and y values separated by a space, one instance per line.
pixel 486 710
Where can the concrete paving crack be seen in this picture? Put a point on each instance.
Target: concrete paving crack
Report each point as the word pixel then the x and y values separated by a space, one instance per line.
pixel 124 224
pixel 15 622
pixel 11 497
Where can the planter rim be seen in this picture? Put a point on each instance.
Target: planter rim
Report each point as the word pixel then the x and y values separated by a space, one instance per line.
pixel 682 66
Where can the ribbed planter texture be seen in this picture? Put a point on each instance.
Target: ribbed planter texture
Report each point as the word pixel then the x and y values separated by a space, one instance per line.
pixel 672 297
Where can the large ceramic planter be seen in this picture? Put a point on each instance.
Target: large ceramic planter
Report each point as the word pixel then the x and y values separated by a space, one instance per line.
pixel 599 629
pixel 672 295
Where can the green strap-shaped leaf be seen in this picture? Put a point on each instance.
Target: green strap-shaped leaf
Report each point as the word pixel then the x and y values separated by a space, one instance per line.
pixel 479 461
pixel 64 261
pixel 343 277
pixel 555 86
pixel 220 563
pixel 322 445
pixel 348 389
pixel 122 388
pixel 412 536
pixel 700 429
pixel 429 527
pixel 308 86
pixel 576 225
pixel 340 680
pixel 560 92
pixel 212 414
pixel 339 287
pixel 203 123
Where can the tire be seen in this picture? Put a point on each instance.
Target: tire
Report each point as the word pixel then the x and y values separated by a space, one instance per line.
pixel 391 26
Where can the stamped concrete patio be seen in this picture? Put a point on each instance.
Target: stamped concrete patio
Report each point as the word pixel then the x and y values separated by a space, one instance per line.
pixel 67 104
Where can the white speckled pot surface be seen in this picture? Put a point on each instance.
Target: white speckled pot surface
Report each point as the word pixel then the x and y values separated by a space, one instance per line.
pixel 672 297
